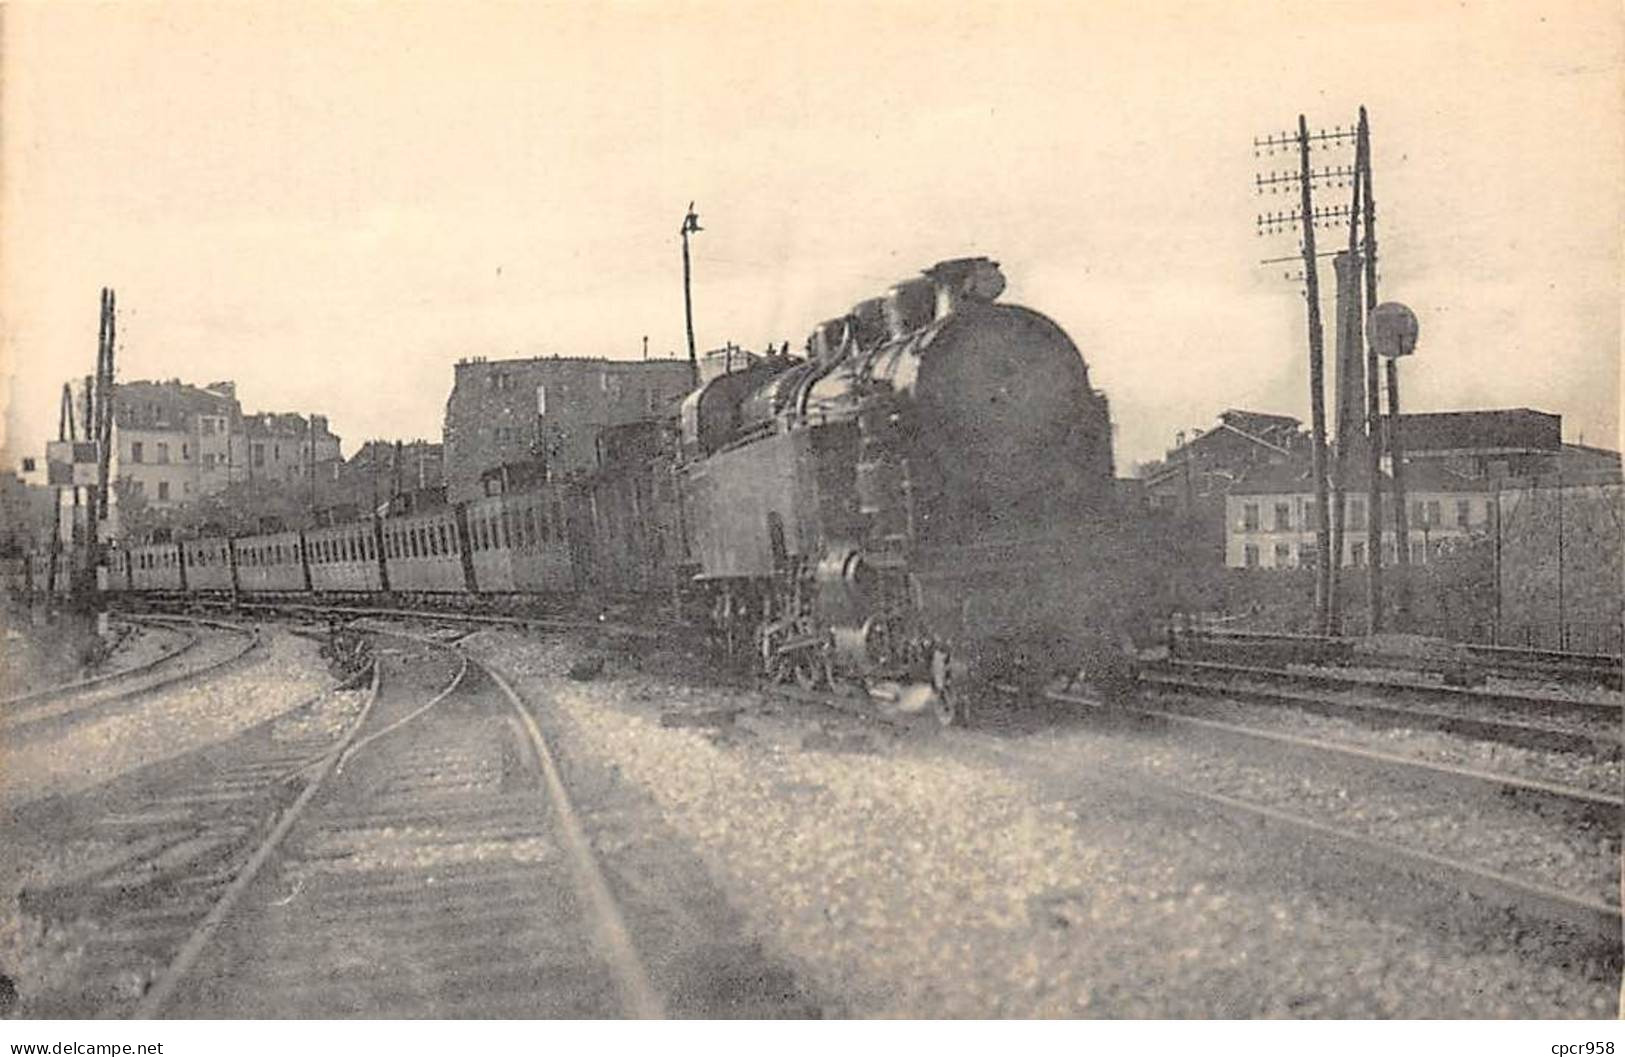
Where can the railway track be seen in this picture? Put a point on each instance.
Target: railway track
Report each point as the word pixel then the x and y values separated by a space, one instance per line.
pixel 421 858
pixel 1525 720
pixel 1587 669
pixel 187 641
pixel 1598 921
pixel 199 656
pixel 1578 916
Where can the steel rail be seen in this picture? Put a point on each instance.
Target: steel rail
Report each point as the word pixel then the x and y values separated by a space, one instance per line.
pixel 638 997
pixel 1510 660
pixel 79 685
pixel 163 989
pixel 1509 732
pixel 1598 921
pixel 1609 711
pixel 252 639
pixel 1568 798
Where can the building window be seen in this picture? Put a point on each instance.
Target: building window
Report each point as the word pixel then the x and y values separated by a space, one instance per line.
pixel 205 426
pixel 1356 554
pixel 186 452
pixel 1283 555
pixel 163 452
pixel 163 490
pixel 136 451
pixel 258 454
pixel 138 488
pixel 1464 512
pixel 1249 556
pixel 1356 510
pixel 1249 516
pixel 208 460
pixel 1307 555
pixel 1283 517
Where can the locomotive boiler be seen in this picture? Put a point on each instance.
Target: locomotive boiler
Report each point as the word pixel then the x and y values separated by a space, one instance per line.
pixel 924 504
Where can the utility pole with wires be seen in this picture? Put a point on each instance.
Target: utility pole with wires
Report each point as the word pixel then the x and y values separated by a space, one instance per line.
pixel 1373 384
pixel 691 226
pixel 1306 218
pixel 104 416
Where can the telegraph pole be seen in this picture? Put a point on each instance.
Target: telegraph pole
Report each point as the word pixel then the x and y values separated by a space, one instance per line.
pixel 691 225
pixel 104 417
pixel 1306 218
pixel 310 464
pixel 1317 381
pixel 1373 385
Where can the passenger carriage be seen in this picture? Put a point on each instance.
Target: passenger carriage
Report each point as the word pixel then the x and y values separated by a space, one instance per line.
pixel 271 563
pixel 344 558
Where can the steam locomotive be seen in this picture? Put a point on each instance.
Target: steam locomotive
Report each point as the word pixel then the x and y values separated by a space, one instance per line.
pixel 922 505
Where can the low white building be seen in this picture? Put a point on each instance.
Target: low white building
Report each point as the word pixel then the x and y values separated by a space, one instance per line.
pixel 1270 517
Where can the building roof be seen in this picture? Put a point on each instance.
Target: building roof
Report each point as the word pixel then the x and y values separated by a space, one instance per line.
pixel 1295 478
pixel 1257 421
pixel 1508 430
pixel 476 363
pixel 384 450
pixel 167 405
pixel 285 424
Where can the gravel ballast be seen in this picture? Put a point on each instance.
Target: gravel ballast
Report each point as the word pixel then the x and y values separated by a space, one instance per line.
pixel 921 877
pixel 286 671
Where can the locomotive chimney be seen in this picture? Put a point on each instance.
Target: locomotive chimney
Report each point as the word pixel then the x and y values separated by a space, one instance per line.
pixel 869 322
pixel 964 279
pixel 825 341
pixel 909 306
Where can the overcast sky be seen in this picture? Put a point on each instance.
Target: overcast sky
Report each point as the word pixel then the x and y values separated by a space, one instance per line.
pixel 330 204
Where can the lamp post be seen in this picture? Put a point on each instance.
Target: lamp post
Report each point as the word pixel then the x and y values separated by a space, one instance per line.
pixel 1393 331
pixel 691 225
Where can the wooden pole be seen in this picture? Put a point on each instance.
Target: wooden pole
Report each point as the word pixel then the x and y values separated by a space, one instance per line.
pixel 691 223
pixel 1373 386
pixel 1317 382
pixel 104 432
pixel 1402 527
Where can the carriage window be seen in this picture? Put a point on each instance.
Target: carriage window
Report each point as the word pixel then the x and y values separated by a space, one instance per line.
pixel 433 539
pixel 445 539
